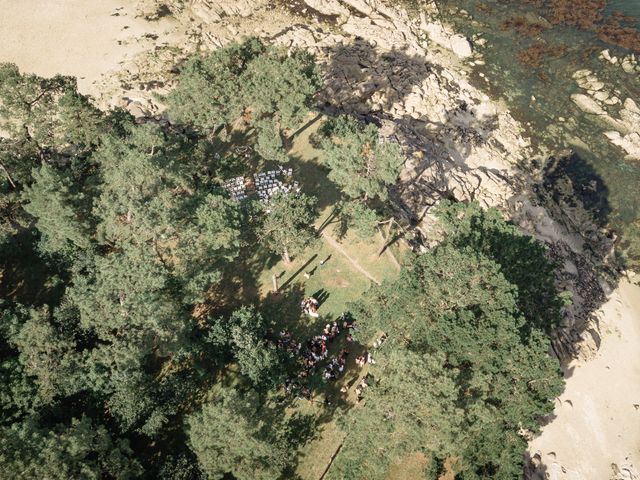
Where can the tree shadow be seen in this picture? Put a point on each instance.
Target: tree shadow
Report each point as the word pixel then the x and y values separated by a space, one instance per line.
pixel 576 197
pixel 534 469
pixel 26 276
pixel 304 127
pixel 386 88
pixel 314 181
pixel 331 218
pixel 297 272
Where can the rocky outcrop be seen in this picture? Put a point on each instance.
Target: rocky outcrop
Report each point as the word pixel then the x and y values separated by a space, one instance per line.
pixel 629 143
pixel 329 8
pixel 456 141
pixel 446 37
pixel 598 101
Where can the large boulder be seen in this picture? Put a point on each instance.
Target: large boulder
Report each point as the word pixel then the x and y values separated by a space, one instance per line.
pixel 447 39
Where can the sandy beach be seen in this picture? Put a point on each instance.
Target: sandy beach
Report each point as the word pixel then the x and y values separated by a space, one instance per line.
pixel 83 38
pixel 596 430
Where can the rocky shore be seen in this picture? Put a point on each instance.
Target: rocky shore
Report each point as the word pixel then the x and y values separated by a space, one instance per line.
pixel 410 75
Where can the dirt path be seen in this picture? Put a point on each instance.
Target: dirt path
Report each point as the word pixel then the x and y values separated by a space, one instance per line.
pixel 333 243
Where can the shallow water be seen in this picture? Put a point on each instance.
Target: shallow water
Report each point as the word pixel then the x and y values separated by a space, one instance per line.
pixel 549 79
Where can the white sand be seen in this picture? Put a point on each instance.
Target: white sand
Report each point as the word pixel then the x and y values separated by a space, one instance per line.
pixel 73 37
pixel 597 421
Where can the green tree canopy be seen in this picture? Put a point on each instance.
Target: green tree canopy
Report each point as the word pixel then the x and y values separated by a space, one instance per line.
pixel 453 306
pixel 210 238
pixel 271 87
pixel 209 90
pixel 360 162
pixel 47 113
pixel 82 450
pixel 287 227
pixel 244 333
pixel 523 260
pixel 60 212
pixel 234 434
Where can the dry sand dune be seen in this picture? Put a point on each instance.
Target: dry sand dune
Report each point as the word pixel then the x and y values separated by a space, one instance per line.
pixel 83 38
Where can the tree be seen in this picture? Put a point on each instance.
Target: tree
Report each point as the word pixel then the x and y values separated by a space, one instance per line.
pixel 46 355
pixel 244 333
pixel 58 211
pixel 522 259
pixel 269 143
pixel 143 176
pixel 362 219
pixel 44 117
pixel 453 306
pixel 287 227
pixel 210 239
pixel 18 391
pixel 281 85
pixel 125 299
pixel 234 434
pixel 82 450
pixel 270 87
pixel 209 92
pixel 410 408
pixel 361 164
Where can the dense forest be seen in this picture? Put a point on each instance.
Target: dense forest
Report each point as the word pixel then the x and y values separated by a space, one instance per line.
pixel 132 345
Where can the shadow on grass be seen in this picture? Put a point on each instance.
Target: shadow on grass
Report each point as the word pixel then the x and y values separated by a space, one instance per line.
pixel 321 295
pixel 297 272
pixel 332 218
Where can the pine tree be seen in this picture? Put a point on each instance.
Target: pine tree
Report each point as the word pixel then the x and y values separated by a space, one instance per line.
pixel 58 211
pixel 361 164
pixel 288 224
pixel 82 449
pixel 209 93
pixel 244 334
pixel 233 434
pixel 271 88
pixel 210 239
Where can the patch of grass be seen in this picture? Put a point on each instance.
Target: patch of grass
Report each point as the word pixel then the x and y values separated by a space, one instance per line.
pixel 336 283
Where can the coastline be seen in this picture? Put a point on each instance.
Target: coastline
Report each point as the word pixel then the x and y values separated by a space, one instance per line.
pixel 480 163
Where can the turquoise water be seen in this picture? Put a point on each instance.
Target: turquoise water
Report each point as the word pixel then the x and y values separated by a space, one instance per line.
pixel 551 83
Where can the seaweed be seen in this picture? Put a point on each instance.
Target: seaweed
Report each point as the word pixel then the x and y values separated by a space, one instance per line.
pixel 617 30
pixel 523 26
pixel 584 14
pixel 535 54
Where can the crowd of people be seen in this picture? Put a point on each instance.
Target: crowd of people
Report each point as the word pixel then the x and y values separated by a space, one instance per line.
pixel 335 367
pixel 314 354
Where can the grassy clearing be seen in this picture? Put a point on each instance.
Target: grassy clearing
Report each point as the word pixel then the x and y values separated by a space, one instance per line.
pixel 335 284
